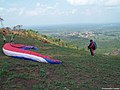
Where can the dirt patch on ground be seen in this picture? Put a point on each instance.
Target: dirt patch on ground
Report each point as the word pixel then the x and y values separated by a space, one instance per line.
pixel 114 52
pixel 42 47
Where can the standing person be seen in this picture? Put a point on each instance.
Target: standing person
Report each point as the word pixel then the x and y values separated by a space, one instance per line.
pixel 12 37
pixel 91 47
pixel 4 34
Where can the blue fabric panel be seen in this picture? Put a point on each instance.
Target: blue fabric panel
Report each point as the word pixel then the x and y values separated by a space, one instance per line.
pixel 51 61
pixel 24 58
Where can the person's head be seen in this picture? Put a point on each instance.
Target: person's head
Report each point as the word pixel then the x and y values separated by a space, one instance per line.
pixel 12 33
pixel 91 40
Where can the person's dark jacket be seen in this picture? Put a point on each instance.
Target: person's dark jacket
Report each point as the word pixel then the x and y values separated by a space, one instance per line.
pixel 91 46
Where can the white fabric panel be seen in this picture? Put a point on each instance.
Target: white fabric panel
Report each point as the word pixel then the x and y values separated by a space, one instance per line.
pixel 18 54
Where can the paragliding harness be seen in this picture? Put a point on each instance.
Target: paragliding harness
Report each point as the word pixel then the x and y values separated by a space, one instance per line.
pixel 94 46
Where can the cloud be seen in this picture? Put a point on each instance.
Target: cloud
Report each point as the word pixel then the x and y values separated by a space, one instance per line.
pixel 38 4
pixel 2 0
pixel 39 9
pixel 111 2
pixel 15 10
pixel 11 10
pixel 44 9
pixel 94 2
pixel 31 13
pixel 1 9
pixel 21 11
pixel 81 2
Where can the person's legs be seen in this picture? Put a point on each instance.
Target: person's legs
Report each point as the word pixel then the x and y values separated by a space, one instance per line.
pixel 11 39
pixel 4 39
pixel 92 52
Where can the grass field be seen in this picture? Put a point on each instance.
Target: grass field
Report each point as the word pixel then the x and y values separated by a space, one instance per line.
pixel 78 71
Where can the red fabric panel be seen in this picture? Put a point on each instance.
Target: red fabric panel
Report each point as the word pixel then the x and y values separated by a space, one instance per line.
pixel 17 45
pixel 16 48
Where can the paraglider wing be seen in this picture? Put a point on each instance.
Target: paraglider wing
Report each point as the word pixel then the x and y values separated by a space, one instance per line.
pixel 22 51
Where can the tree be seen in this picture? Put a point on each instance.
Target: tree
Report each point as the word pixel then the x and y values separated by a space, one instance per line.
pixel 14 28
pixel 1 19
pixel 19 27
pixel 8 28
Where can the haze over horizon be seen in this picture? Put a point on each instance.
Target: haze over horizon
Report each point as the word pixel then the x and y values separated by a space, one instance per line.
pixel 48 12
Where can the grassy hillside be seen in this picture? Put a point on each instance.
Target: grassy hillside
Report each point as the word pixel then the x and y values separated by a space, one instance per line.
pixel 103 46
pixel 78 71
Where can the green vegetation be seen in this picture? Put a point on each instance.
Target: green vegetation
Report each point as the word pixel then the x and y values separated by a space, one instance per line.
pixel 107 40
pixel 78 71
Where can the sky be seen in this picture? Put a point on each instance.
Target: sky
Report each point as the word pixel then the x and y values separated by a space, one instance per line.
pixel 50 12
